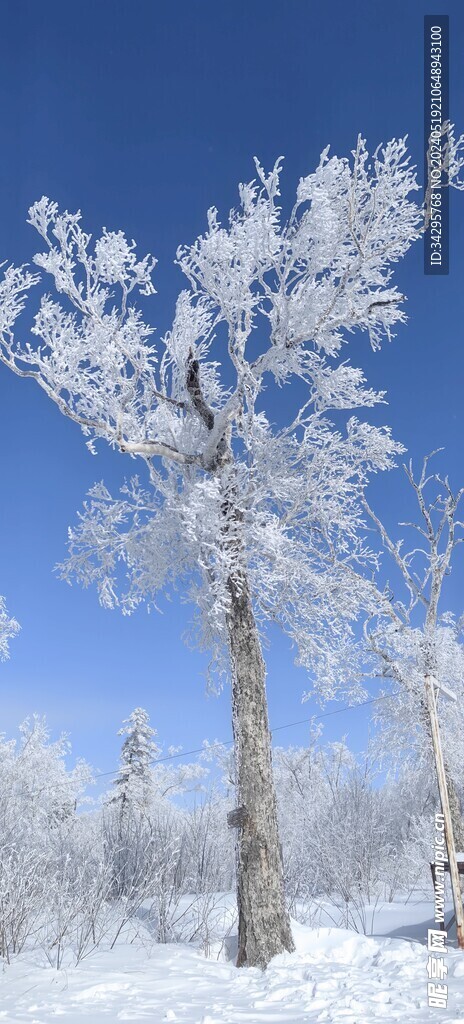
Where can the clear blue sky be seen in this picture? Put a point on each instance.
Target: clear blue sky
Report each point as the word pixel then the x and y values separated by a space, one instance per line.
pixel 144 115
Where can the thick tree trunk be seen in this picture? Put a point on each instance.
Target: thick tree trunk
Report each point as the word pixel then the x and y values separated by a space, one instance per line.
pixel 264 923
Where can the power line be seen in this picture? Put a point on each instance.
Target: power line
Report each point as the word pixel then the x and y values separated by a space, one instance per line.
pixel 277 728
pixel 338 711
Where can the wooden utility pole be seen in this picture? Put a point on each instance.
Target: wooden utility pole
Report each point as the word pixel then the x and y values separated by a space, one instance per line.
pixel 430 688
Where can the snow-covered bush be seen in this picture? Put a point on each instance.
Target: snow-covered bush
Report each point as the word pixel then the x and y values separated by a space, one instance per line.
pixel 349 834
pixel 38 802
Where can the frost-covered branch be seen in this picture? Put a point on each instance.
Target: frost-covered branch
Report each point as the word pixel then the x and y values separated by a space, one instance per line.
pixel 407 640
pixel 229 495
pixel 8 629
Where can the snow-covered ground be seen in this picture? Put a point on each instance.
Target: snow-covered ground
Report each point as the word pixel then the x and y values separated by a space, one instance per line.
pixel 334 975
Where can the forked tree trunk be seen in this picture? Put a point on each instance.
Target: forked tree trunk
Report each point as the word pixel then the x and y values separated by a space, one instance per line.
pixel 263 920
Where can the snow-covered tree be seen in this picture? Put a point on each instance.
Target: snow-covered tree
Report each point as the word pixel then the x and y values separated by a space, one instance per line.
pixel 145 837
pixel 412 634
pixel 8 629
pixel 256 512
pixel 131 801
pixel 134 782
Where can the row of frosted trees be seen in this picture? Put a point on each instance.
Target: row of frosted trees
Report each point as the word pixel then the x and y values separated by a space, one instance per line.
pixel 153 859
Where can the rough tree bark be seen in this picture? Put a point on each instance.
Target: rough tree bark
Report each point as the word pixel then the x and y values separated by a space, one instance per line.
pixel 263 920
pixel 264 923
